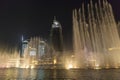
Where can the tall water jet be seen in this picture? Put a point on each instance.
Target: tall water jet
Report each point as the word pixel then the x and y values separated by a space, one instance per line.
pixel 95 36
pixel 9 58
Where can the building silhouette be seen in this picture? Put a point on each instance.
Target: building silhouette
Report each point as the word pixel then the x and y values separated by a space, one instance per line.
pixel 35 47
pixel 56 38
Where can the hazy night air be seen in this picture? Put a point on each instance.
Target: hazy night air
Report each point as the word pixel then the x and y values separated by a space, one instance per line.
pixel 34 18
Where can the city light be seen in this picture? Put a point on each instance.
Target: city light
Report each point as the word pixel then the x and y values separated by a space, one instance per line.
pixel 69 66
pixel 32 66
pixel 97 66
pixel 54 61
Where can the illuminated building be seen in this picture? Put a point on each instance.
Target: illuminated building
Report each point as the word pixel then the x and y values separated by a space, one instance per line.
pixel 42 49
pixel 24 46
pixel 56 40
pixel 35 47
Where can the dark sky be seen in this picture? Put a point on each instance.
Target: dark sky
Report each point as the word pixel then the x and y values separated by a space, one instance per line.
pixel 34 17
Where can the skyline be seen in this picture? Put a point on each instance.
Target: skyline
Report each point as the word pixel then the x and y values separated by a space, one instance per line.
pixel 34 18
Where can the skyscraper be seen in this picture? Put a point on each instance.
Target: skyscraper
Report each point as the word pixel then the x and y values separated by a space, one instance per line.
pixel 24 46
pixel 56 37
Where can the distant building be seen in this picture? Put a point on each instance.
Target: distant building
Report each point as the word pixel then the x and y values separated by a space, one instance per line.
pixel 42 49
pixel 35 47
pixel 56 37
pixel 24 46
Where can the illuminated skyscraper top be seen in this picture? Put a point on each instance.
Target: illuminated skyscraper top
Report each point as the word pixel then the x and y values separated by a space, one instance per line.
pixel 56 24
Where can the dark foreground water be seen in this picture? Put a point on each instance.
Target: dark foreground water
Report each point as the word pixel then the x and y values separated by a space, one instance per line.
pixel 40 74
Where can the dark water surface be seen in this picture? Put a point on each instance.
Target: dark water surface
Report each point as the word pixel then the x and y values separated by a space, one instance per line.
pixel 61 74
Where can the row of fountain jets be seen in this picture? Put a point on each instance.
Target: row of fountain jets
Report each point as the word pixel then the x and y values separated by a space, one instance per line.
pixel 96 42
pixel 96 39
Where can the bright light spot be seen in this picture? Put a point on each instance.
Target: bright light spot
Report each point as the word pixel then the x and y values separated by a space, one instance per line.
pixel 17 64
pixel 97 66
pixel 56 23
pixel 114 48
pixel 54 61
pixel 110 49
pixel 7 66
pixel 69 66
pixel 32 67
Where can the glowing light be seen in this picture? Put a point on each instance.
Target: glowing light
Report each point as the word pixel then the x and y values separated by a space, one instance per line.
pixel 35 62
pixel 56 23
pixel 114 48
pixel 7 66
pixel 32 66
pixel 17 65
pixel 54 61
pixel 69 66
pixel 97 66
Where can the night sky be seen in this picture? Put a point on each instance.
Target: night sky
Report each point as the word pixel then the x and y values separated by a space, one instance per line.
pixel 34 18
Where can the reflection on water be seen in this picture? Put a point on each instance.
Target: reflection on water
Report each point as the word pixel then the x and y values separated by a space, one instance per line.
pixel 40 74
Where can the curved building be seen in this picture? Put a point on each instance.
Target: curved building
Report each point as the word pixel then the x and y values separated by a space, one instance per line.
pixel 56 37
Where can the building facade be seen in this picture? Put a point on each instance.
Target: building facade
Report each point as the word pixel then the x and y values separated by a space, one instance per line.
pixel 56 40
pixel 35 47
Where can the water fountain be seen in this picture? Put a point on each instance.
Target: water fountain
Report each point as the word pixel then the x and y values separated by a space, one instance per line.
pixel 9 59
pixel 95 36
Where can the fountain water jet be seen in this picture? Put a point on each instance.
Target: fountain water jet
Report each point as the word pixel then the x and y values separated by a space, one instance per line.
pixel 95 36
pixel 9 59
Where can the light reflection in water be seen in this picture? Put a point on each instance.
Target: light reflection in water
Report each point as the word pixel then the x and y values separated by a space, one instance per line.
pixel 58 74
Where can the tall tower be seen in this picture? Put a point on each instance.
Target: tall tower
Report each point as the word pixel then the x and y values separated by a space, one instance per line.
pixel 56 37
pixel 24 46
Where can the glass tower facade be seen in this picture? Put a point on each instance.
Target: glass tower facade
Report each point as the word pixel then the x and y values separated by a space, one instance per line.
pixel 56 37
